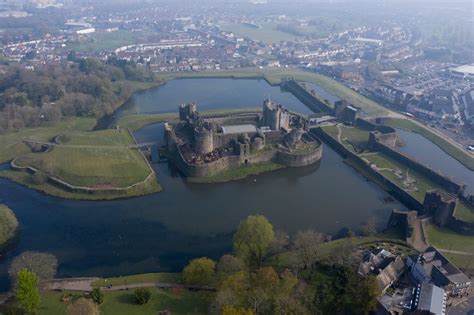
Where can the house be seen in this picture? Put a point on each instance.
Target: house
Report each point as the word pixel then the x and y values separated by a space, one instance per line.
pixel 434 268
pixel 428 299
pixel 386 266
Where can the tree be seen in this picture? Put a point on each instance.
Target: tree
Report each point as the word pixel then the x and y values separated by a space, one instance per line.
pixel 253 239
pixel 44 265
pixel 142 295
pixel 200 271
pixel 369 228
pixel 229 264
pixel 27 292
pixel 306 244
pixel 97 296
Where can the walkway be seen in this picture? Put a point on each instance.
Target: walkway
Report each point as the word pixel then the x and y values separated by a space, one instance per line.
pixel 86 285
pixel 83 146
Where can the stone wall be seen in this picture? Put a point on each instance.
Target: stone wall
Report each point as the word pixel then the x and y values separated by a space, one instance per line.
pixel 404 197
pixel 297 160
pixel 305 96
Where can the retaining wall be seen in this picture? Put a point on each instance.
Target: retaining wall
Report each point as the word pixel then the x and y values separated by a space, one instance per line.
pixel 305 96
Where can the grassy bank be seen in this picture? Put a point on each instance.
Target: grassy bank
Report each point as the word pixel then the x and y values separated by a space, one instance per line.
pixel 99 160
pixel 237 173
pixel 8 224
pixel 160 277
pixel 11 144
pixel 123 302
pixel 459 154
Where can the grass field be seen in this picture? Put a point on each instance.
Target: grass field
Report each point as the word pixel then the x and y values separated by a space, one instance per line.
pixel 266 33
pixel 464 212
pixel 123 302
pixel 99 41
pixel 237 173
pixel 354 139
pixel 92 159
pixel 422 182
pixel 448 240
pixel 11 144
pixel 161 277
pixel 459 154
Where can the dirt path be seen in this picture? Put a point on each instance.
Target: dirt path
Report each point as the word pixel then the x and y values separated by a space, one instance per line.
pixel 72 284
pixel 418 240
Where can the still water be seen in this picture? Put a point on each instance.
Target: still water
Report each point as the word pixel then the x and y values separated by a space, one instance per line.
pixel 161 232
pixel 431 155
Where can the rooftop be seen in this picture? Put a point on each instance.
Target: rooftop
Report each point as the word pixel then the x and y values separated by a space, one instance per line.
pixel 238 129
pixel 430 298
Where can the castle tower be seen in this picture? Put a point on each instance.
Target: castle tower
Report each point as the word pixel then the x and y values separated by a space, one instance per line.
pixel 203 140
pixel 187 111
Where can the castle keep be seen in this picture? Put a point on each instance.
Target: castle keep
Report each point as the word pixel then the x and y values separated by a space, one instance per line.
pixel 203 146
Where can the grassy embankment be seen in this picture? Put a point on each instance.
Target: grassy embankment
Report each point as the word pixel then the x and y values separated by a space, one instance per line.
pixel 451 243
pixel 456 152
pixel 274 76
pixel 8 224
pixel 123 302
pixel 94 159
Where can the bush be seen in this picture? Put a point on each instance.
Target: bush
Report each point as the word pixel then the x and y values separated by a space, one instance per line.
pixel 199 271
pixel 43 264
pixel 83 306
pixel 39 178
pixel 142 295
pixel 97 296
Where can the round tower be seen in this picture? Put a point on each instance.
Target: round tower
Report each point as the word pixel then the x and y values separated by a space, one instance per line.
pixel 203 140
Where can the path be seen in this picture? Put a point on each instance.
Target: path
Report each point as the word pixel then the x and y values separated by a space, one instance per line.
pixel 418 239
pixel 456 252
pixel 84 146
pixel 85 285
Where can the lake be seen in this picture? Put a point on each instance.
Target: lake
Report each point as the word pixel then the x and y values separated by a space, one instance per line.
pixel 161 232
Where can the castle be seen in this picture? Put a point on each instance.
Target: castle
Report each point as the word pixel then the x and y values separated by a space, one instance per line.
pixel 203 146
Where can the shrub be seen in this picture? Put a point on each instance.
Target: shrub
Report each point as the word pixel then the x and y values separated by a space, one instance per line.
pixel 97 296
pixel 142 295
pixel 199 271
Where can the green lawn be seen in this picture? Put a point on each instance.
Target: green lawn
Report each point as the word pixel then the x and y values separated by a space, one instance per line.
pixel 459 154
pixel 464 212
pixel 11 144
pixel 99 41
pixel 422 182
pixel 123 302
pixel 354 139
pixel 161 277
pixel 95 159
pixel 266 33
pixel 449 240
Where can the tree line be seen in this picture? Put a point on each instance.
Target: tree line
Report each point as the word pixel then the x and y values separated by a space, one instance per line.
pixel 79 87
pixel 273 273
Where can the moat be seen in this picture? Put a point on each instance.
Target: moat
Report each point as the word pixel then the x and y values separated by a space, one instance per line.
pixel 161 232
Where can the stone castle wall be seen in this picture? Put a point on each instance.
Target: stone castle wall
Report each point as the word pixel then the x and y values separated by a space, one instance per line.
pixel 305 96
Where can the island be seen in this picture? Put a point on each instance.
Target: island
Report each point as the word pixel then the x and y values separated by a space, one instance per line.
pixel 224 147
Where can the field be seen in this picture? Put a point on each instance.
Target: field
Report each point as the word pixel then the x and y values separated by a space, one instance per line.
pixel 12 146
pixel 99 41
pixel 92 159
pixel 459 248
pixel 464 212
pixel 266 33
pixel 354 139
pixel 456 152
pixel 386 164
pixel 275 76
pixel 122 302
